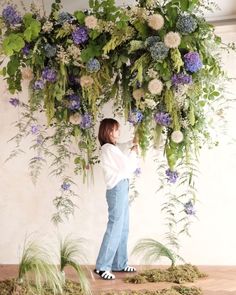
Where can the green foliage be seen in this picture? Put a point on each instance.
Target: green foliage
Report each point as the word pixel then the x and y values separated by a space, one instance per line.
pixel 35 260
pixel 71 254
pixel 152 250
pixel 33 27
pixel 13 43
pixel 80 16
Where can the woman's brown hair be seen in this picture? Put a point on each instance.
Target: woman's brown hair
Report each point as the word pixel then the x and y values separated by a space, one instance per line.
pixel 106 127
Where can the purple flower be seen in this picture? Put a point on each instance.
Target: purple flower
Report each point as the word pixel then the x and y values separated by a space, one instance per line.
pixel 189 208
pixel 192 62
pixel 181 79
pixel 65 186
pixel 171 176
pixel 35 129
pixel 86 121
pixel 137 172
pixel 38 84
pixel 74 102
pixel 163 118
pixel 14 101
pixel 49 74
pixel 80 35
pixel 39 139
pixel 135 117
pixel 26 49
pixel 10 16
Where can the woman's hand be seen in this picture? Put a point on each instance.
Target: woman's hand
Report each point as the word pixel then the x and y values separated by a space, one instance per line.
pixel 134 148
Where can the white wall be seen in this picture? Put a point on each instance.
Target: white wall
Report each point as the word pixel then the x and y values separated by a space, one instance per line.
pixel 27 209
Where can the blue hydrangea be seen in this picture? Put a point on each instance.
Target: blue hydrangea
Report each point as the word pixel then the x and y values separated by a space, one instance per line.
pixel 80 35
pixel 159 51
pixel 192 62
pixel 172 176
pixel 93 65
pixel 181 79
pixel 150 41
pixel 74 102
pixel 49 74
pixel 38 84
pixel 65 17
pixel 186 24
pixel 10 16
pixel 163 119
pixel 189 208
pixel 135 117
pixel 26 49
pixel 14 101
pixel 86 121
pixel 50 50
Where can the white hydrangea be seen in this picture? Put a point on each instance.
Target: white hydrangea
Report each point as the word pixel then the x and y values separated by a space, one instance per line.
pixel 150 103
pixel 156 21
pixel 75 119
pixel 155 86
pixel 152 73
pixel 172 40
pixel 91 22
pixel 177 136
pixel 27 73
pixel 86 81
pixel 138 93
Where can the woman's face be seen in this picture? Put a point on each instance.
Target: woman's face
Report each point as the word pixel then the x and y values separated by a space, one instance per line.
pixel 115 134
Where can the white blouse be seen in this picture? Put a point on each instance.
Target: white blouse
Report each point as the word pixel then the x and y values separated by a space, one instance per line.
pixel 117 165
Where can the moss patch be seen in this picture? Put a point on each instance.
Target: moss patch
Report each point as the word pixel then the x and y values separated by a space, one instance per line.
pixel 179 290
pixel 177 274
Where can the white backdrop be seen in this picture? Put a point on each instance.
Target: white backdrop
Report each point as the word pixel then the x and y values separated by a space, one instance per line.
pixel 27 209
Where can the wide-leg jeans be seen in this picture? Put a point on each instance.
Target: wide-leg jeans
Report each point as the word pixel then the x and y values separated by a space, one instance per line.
pixel 113 251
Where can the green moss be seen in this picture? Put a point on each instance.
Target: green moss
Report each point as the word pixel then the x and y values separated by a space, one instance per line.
pixel 176 274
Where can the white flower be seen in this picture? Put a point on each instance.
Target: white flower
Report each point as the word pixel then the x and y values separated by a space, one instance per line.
pixel 138 93
pixel 150 103
pixel 86 81
pixel 172 40
pixel 155 86
pixel 27 73
pixel 152 73
pixel 91 22
pixel 47 27
pixel 156 21
pixel 75 119
pixel 177 136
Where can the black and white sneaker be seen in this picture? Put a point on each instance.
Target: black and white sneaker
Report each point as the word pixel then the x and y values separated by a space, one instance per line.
pixel 126 269
pixel 105 274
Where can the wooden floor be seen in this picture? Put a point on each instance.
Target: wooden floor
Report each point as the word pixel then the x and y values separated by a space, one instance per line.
pixel 221 280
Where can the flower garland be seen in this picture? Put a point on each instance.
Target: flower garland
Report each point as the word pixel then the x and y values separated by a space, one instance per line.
pixel 152 60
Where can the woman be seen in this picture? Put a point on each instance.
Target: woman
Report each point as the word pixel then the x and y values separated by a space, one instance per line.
pixel 117 168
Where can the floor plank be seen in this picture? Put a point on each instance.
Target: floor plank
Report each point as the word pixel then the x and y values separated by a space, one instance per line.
pixel 221 280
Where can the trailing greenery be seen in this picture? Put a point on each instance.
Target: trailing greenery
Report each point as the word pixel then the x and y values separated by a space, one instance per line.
pixel 158 62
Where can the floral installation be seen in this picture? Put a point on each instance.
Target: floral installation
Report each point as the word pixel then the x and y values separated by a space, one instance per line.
pixel 155 60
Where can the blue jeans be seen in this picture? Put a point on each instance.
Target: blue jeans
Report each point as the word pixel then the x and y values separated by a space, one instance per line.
pixel 113 251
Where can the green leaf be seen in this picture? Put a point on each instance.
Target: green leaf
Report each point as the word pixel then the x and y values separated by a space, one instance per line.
pixel 142 28
pixel 13 65
pixel 13 43
pixel 184 5
pixel 94 34
pixel 32 32
pixel 80 16
pixel 91 51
